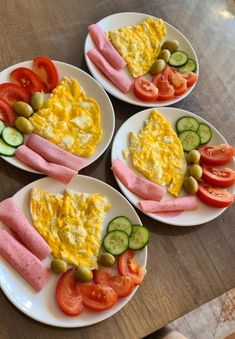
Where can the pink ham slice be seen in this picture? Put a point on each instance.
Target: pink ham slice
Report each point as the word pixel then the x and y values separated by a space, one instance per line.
pixel 117 78
pixel 12 217
pixel 177 204
pixel 34 160
pixel 106 48
pixel 27 264
pixel 142 187
pixel 54 153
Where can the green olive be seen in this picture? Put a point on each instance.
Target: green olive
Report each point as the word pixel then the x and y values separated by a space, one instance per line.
pixel 171 45
pixel 196 171
pixel 24 125
pixel 158 66
pixel 83 274
pixel 106 259
pixel 22 108
pixel 190 185
pixel 37 101
pixel 193 156
pixel 58 266
pixel 165 54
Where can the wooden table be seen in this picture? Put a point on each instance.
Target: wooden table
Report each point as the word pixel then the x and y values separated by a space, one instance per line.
pixel 189 266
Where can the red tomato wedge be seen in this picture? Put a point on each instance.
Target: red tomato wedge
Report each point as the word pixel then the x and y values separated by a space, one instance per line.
pixel 214 196
pixel 216 155
pixel 98 297
pixel 12 93
pixel 7 115
pixel 47 72
pixel 68 294
pixel 122 285
pixel 221 177
pixel 145 90
pixel 27 79
pixel 179 84
pixel 127 266
pixel 190 77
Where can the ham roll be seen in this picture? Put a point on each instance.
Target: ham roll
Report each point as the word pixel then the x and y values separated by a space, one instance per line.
pixel 177 204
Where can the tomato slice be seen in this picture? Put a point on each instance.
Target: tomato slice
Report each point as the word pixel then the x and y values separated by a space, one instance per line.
pixel 27 79
pixel 7 115
pixel 122 285
pixel 167 73
pixel 98 297
pixel 12 93
pixel 190 77
pixel 47 72
pixel 145 90
pixel 68 294
pixel 214 196
pixel 216 155
pixel 129 267
pixel 179 83
pixel 165 90
pixel 221 177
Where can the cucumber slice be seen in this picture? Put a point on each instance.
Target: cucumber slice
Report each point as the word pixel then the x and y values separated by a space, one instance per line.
pixel 178 58
pixel 6 150
pixel 116 242
pixel 139 238
pixel 205 133
pixel 2 125
pixel 12 136
pixel 120 223
pixel 190 140
pixel 190 66
pixel 187 123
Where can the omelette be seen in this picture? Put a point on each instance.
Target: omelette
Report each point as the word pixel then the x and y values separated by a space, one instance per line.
pixel 69 119
pixel 157 153
pixel 139 45
pixel 71 223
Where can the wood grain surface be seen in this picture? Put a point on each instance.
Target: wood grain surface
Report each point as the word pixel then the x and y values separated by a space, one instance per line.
pixel 187 267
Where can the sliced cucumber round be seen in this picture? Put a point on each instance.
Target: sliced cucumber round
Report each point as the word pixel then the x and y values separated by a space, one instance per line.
pixel 116 242
pixel 178 58
pixel 6 150
pixel 205 133
pixel 190 140
pixel 190 66
pixel 120 223
pixel 186 123
pixel 139 238
pixel 2 125
pixel 12 136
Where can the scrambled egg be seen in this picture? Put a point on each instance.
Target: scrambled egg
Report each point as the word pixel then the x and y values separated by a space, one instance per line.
pixel 69 119
pixel 71 223
pixel 139 45
pixel 158 154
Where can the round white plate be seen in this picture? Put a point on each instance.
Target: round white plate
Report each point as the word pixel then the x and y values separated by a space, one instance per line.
pixel 118 20
pixel 203 213
pixel 92 89
pixel 42 306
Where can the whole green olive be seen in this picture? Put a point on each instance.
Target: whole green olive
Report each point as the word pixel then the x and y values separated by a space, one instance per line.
pixel 58 266
pixel 23 125
pixel 106 259
pixel 23 109
pixel 196 171
pixel 190 185
pixel 83 274
pixel 193 156
pixel 171 45
pixel 37 101
pixel 165 54
pixel 158 66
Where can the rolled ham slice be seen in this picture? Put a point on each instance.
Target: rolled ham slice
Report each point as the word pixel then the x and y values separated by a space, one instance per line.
pixel 34 160
pixel 140 186
pixel 12 217
pixel 106 48
pixel 177 204
pixel 25 262
pixel 54 153
pixel 116 77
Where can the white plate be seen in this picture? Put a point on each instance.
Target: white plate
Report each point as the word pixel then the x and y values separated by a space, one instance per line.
pixel 125 19
pixel 92 89
pixel 42 306
pixel 203 213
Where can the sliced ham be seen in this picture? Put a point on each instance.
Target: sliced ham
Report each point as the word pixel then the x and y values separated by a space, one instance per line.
pixel 25 262
pixel 54 153
pixel 116 77
pixel 12 217
pixel 106 48
pixel 140 186
pixel 34 160
pixel 177 204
